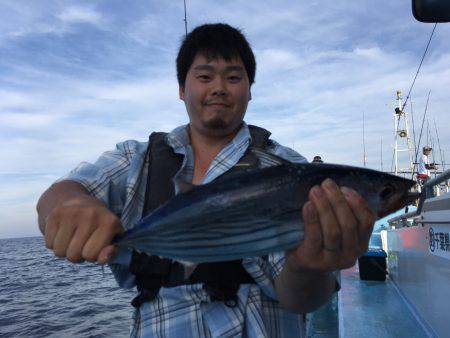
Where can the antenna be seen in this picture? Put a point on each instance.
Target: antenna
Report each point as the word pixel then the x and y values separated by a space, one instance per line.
pixel 185 18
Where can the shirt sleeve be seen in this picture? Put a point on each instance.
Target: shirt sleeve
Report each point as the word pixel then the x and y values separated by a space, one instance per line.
pixel 264 270
pixel 111 178
pixel 106 178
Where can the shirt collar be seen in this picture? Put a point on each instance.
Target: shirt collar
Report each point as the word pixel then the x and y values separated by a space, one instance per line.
pixel 179 138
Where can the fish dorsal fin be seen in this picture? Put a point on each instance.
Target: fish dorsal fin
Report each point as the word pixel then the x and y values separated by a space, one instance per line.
pixel 270 159
pixel 182 185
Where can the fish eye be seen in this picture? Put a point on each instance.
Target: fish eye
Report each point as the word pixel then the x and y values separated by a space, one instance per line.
pixel 387 191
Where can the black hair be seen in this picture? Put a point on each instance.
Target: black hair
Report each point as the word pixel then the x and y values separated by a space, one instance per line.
pixel 214 41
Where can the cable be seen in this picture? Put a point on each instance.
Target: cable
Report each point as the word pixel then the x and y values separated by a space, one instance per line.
pixel 420 65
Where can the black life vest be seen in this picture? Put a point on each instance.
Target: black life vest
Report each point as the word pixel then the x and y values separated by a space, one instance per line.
pixel 221 280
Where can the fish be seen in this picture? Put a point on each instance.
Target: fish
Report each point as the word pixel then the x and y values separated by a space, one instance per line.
pixel 254 212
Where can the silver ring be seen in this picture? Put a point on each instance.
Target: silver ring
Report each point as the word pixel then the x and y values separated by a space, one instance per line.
pixel 332 249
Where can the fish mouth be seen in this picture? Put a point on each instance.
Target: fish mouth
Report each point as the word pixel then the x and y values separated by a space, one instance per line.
pixel 412 196
pixel 397 203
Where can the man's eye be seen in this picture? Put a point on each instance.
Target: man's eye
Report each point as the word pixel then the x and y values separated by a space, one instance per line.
pixel 203 77
pixel 234 78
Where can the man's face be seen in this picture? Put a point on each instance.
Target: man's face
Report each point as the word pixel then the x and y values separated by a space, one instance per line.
pixel 216 95
pixel 427 152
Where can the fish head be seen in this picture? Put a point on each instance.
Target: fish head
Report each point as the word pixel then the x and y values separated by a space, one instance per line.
pixel 384 193
pixel 393 196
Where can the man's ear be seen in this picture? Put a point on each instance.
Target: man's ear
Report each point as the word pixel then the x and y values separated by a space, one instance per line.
pixel 181 92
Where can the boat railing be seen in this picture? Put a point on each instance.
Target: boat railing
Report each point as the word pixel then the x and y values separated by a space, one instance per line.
pixel 428 188
pixel 437 180
pixel 403 221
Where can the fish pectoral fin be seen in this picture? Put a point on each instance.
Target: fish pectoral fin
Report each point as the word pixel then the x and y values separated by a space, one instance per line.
pixel 183 185
pixel 189 270
pixel 188 267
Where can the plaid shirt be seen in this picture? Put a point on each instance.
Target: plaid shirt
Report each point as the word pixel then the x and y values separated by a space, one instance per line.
pixel 119 178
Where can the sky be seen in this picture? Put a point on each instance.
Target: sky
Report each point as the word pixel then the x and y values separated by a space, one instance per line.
pixel 77 77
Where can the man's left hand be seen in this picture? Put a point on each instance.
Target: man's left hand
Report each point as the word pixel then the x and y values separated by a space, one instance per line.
pixel 338 224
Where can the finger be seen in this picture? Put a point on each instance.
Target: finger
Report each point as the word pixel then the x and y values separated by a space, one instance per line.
pixel 63 237
pixel 107 254
pixel 347 221
pixel 331 231
pixel 101 238
pixel 51 229
pixel 365 216
pixel 81 236
pixel 313 232
pixel 310 249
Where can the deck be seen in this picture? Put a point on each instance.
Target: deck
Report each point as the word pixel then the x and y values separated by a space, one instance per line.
pixel 375 309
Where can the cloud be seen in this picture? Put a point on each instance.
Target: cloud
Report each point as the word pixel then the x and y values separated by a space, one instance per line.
pixel 19 21
pixel 80 15
pixel 25 120
pixel 374 53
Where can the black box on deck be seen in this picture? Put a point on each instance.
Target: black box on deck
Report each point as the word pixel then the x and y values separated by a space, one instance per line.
pixel 372 266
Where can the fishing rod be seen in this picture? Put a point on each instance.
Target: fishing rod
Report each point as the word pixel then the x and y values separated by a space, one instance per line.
pixel 420 135
pixel 364 144
pixel 185 18
pixel 439 145
pixel 381 164
pixel 432 153
pixel 413 126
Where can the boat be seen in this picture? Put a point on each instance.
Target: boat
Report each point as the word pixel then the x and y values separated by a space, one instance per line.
pixel 414 300
pixel 410 294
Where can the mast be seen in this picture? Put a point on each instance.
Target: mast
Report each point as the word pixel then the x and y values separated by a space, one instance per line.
pixel 402 140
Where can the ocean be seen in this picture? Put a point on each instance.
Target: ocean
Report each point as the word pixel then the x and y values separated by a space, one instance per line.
pixel 44 296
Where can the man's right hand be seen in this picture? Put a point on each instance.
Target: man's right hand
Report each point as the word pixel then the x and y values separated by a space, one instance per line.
pixel 82 228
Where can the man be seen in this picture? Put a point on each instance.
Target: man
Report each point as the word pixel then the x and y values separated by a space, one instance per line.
pixel 425 165
pixel 423 174
pixel 81 214
pixel 317 159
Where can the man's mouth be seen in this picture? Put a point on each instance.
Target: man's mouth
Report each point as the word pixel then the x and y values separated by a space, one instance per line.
pixel 217 104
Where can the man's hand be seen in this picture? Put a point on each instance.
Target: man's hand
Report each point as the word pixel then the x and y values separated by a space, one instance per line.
pixel 338 225
pixel 82 228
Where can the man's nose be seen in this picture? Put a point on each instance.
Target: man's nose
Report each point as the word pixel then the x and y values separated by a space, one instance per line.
pixel 219 88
